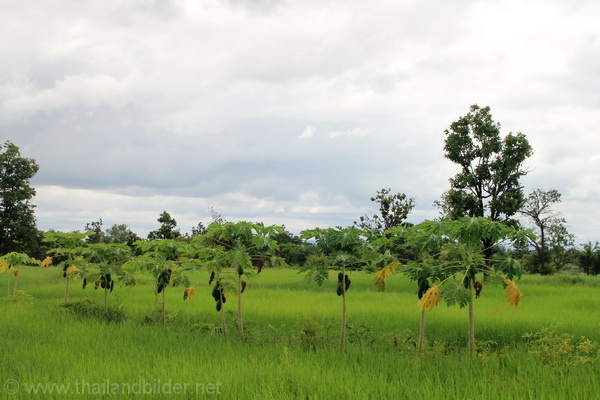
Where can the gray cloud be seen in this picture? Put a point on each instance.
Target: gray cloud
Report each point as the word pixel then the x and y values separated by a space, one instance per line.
pixel 288 112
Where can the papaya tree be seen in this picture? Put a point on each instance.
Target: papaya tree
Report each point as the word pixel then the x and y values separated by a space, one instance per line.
pixel 415 267
pixel 418 267
pixel 167 262
pixel 452 256
pixel 342 250
pixel 237 247
pixel 67 251
pixel 106 262
pixel 11 261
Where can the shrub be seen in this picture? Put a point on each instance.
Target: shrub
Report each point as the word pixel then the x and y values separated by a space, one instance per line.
pixel 88 308
pixel 555 348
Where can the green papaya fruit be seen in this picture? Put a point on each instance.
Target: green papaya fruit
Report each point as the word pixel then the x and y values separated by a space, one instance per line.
pixel 347 282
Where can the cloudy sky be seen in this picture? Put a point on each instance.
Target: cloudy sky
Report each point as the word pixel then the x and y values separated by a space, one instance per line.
pixel 289 112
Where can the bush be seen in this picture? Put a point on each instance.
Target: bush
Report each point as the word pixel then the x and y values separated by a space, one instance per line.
pixel 20 298
pixel 555 348
pixel 88 308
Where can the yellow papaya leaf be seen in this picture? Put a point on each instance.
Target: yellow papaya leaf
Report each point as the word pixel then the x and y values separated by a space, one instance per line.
pixel 3 266
pixel 47 261
pixel 513 292
pixel 430 298
pixel 72 272
pixel 380 278
pixel 189 293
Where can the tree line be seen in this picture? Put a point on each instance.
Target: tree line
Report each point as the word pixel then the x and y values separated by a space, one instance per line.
pixel 487 186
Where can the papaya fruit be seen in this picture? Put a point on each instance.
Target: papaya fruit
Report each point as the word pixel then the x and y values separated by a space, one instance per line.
pixel 261 263
pixel 423 287
pixel 347 282
pixel 478 287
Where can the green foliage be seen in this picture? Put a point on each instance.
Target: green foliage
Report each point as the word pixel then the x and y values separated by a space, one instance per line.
pixel 393 211
pixel 20 298
pixel 491 168
pixel 88 308
pixel 167 229
pixel 455 292
pixel 107 262
pixel 589 257
pixel 14 258
pixel 556 349
pixel 18 232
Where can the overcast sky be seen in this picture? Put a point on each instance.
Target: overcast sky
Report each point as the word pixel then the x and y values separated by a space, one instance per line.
pixel 290 112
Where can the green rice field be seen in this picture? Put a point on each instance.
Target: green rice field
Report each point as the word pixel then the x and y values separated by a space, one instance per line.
pixel 546 348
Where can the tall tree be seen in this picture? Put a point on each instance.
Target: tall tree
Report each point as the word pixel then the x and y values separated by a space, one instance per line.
pixel 551 228
pixel 488 184
pixel 167 229
pixel 18 230
pixel 393 211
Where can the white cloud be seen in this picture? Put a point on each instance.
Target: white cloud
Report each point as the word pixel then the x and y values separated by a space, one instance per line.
pixel 308 132
pixel 211 107
pixel 349 132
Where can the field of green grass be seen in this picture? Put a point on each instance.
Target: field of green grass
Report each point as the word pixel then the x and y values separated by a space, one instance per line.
pixel 49 352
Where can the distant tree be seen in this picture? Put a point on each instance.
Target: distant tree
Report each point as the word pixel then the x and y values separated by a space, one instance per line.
pixel 393 211
pixel 198 230
pixel 293 249
pixel 551 228
pixel 167 229
pixel 18 231
pixel 96 227
pixel 216 217
pixel 120 233
pixel 488 184
pixel 589 258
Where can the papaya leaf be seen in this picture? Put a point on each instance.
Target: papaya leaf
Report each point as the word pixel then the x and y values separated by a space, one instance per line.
pixel 454 292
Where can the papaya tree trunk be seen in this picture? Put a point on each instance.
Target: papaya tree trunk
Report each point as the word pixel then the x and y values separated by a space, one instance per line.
pixel 240 317
pixel 164 310
pixel 106 299
pixel 343 326
pixel 223 325
pixel 67 290
pixel 421 331
pixel 471 320
pixel 8 282
pixel 156 297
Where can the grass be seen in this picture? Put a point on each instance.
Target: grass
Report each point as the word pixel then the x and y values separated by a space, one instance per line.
pixel 292 348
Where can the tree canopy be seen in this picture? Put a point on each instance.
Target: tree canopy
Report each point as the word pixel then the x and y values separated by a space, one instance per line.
pixel 488 184
pixel 18 230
